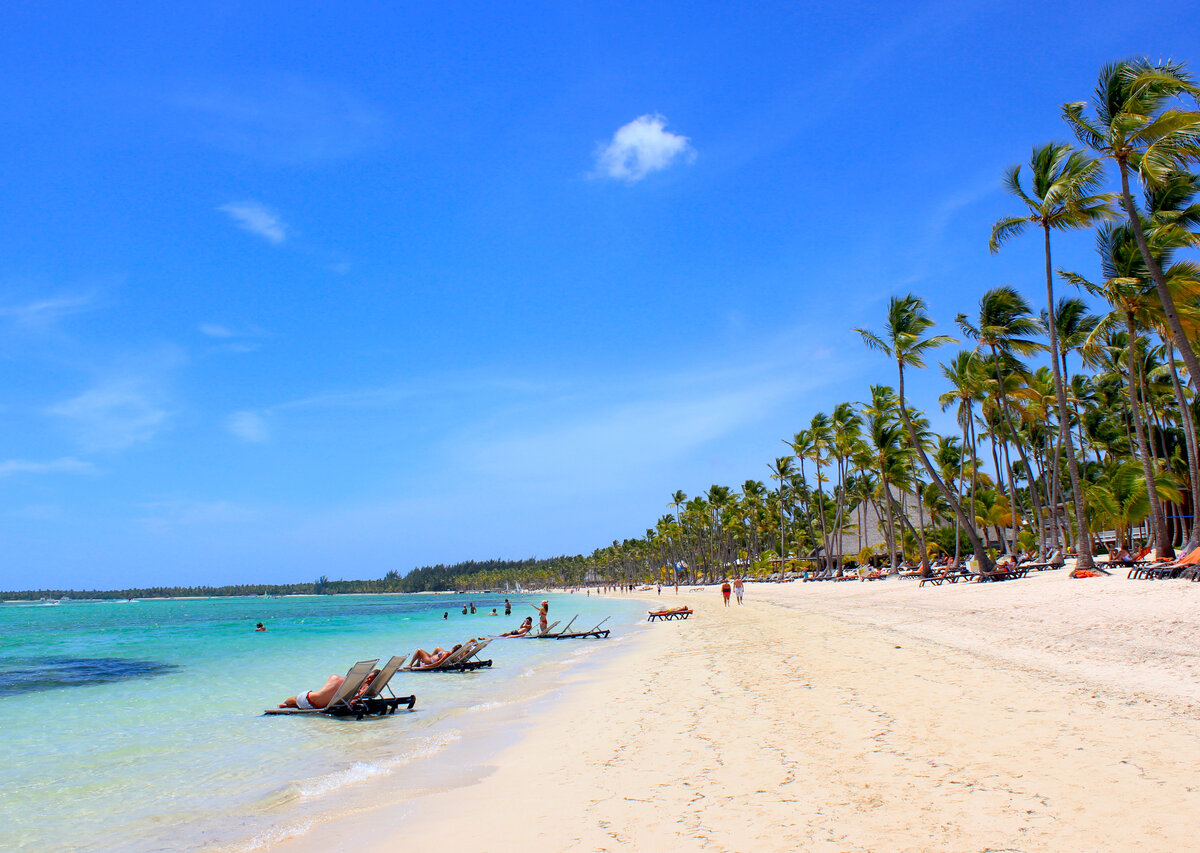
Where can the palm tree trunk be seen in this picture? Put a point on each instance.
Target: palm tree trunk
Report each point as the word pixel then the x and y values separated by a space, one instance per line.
pixel 1084 540
pixel 1162 545
pixel 1160 282
pixel 1189 435
pixel 981 555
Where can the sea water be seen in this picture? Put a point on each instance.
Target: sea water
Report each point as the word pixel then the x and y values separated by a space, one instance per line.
pixel 138 725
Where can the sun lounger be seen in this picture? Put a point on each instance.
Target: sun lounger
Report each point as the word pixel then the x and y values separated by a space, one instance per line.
pixel 1164 570
pixel 373 696
pixel 593 633
pixel 347 703
pixel 465 659
pixel 668 615
pixel 549 628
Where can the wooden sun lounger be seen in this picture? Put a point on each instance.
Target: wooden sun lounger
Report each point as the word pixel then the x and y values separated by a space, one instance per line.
pixel 668 615
pixel 545 635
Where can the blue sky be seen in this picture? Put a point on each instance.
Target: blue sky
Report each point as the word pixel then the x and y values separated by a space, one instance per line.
pixel 298 290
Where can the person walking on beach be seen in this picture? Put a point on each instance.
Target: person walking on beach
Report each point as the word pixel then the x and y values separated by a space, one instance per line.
pixel 738 588
pixel 725 590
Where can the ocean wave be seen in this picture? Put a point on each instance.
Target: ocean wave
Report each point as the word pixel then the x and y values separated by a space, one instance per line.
pixel 356 772
pixel 485 706
pixel 274 835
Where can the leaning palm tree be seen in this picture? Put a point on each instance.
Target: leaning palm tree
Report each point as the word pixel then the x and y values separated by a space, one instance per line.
pixel 904 340
pixel 1127 289
pixel 1062 195
pixel 1138 126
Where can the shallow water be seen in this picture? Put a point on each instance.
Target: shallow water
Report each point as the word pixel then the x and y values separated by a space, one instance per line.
pixel 138 725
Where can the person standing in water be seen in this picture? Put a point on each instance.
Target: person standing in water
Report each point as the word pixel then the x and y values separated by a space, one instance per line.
pixel 507 608
pixel 543 612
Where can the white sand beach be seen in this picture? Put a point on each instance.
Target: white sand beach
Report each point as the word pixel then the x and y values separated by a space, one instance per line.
pixel 1039 714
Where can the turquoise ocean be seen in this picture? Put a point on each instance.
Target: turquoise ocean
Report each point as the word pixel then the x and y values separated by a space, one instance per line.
pixel 138 725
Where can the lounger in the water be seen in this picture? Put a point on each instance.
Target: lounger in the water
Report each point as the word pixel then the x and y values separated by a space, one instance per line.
pixel 591 633
pixel 466 659
pixel 373 697
pixel 347 703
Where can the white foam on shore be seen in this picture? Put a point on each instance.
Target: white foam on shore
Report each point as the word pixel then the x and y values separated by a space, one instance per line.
pixel 356 772
pixel 273 836
pixel 484 706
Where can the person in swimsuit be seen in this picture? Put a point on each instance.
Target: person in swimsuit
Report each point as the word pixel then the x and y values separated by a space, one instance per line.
pixel 725 590
pixel 260 627
pixel 525 628
pixel 507 608
pixel 423 659
pixel 314 700
pixel 738 589
pixel 543 611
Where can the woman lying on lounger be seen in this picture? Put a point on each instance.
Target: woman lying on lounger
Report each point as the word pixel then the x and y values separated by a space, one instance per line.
pixel 525 628
pixel 423 660
pixel 314 700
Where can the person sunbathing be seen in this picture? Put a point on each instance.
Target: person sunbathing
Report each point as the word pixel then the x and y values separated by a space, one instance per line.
pixel 525 628
pixel 314 700
pixel 423 660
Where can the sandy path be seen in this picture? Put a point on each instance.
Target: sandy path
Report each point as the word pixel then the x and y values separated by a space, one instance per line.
pixel 848 717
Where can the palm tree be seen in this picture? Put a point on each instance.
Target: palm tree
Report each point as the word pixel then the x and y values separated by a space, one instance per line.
pixel 1126 288
pixel 1123 498
pixel 820 433
pixel 1005 327
pixel 885 453
pixel 1062 195
pixel 904 340
pixel 846 426
pixel 782 471
pixel 963 372
pixel 1137 127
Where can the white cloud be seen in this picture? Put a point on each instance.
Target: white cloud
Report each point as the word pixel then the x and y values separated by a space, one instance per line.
pixel 112 416
pixel 215 330
pixel 46 312
pixel 641 147
pixel 257 219
pixel 65 465
pixel 248 426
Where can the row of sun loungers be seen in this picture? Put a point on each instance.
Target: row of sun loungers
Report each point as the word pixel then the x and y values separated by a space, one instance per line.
pixel 1185 567
pixel 353 699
